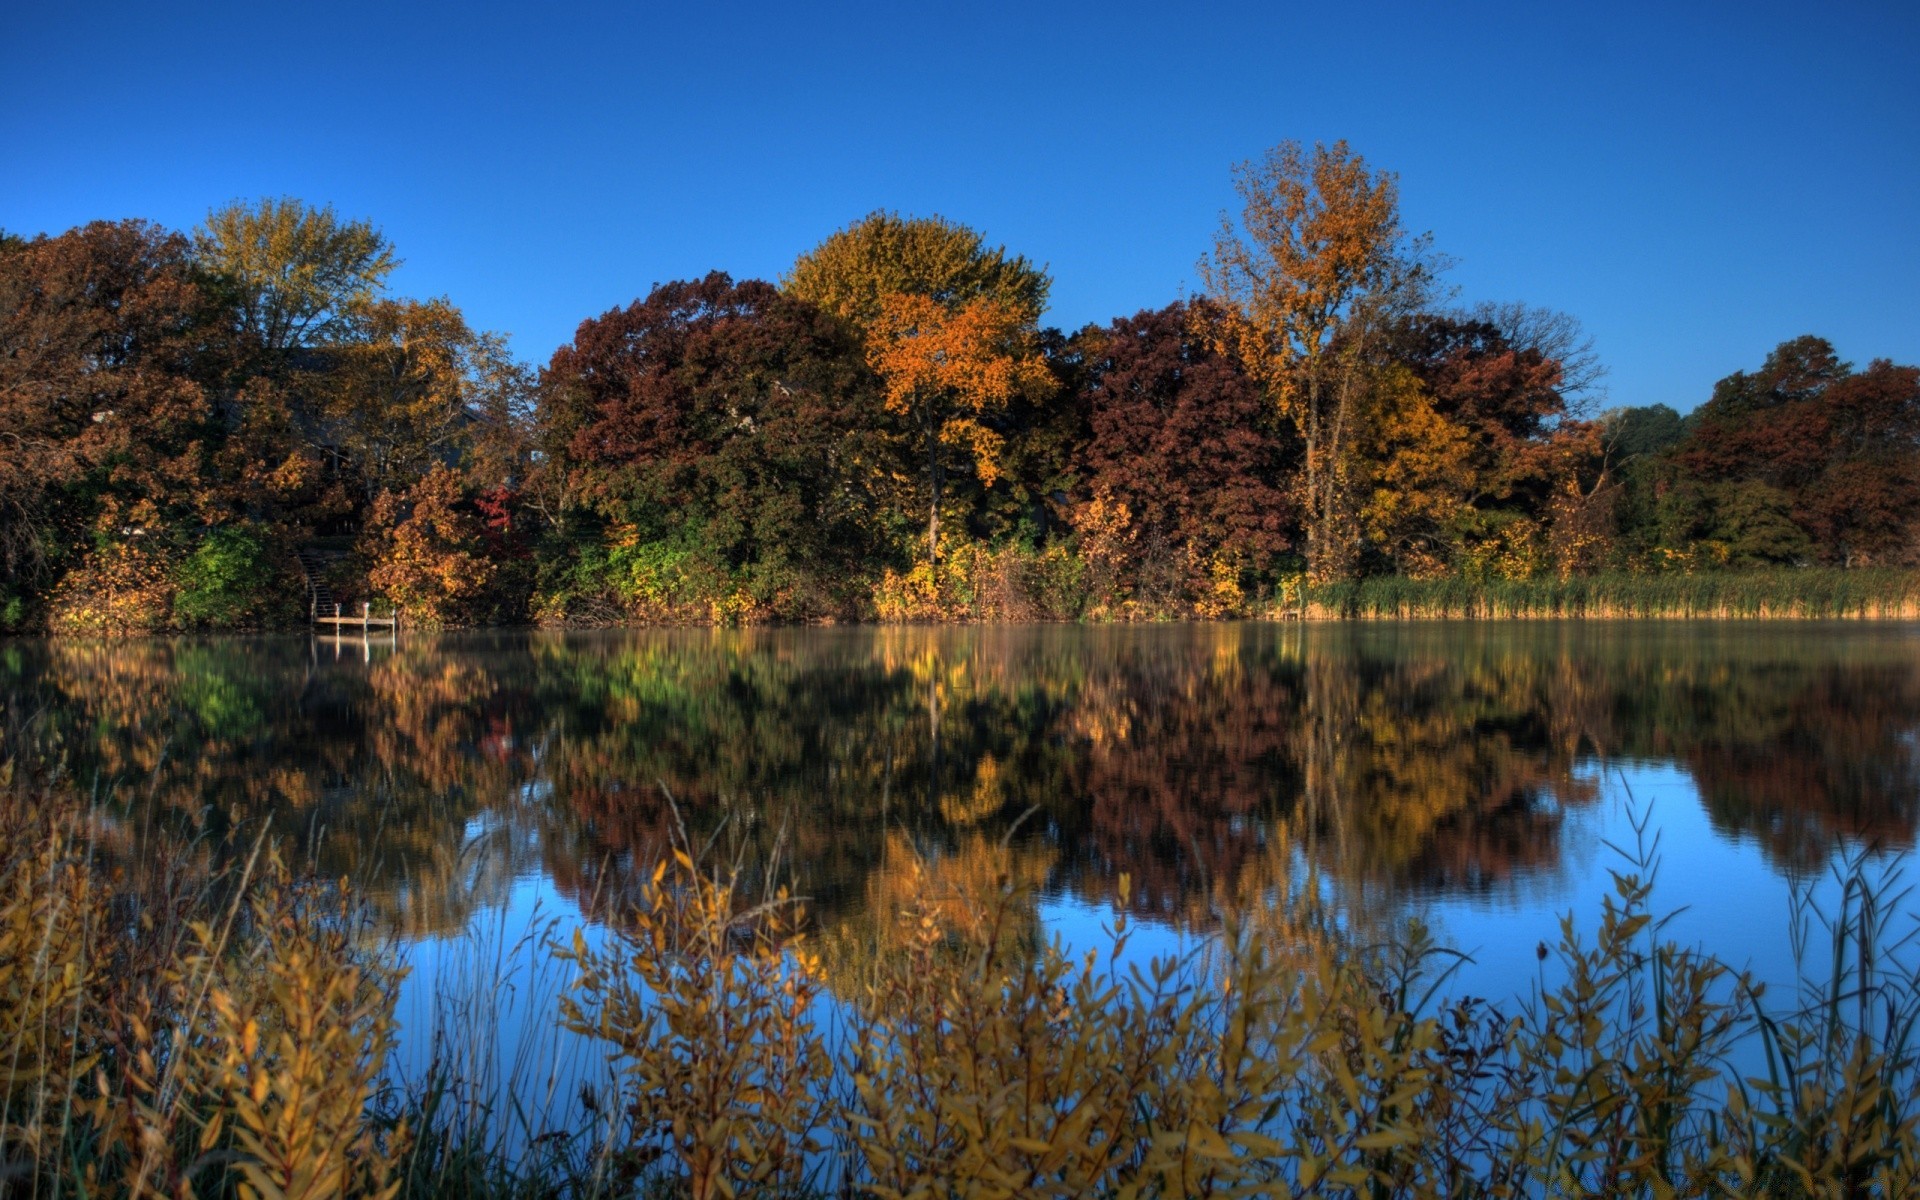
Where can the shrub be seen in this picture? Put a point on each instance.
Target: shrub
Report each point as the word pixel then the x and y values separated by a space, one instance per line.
pixel 224 582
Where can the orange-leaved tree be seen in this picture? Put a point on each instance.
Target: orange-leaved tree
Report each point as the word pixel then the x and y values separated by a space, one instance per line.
pixel 434 565
pixel 1309 279
pixel 947 371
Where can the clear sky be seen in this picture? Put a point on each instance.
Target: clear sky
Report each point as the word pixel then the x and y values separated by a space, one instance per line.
pixel 1695 182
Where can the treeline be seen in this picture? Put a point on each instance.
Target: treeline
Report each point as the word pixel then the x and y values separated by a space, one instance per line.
pixel 217 429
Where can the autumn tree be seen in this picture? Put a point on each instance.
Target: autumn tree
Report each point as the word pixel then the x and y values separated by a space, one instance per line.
pixel 852 273
pixel 431 559
pixel 1472 451
pixel 103 405
pixel 1808 442
pixel 1180 440
pixel 946 372
pixel 404 388
pixel 292 273
pixel 733 422
pixel 1310 277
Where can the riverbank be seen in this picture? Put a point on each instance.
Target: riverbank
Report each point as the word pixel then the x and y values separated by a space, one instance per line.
pixel 196 1014
pixel 1811 593
pixel 1806 594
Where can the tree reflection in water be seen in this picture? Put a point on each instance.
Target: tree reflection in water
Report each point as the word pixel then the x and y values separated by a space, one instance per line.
pixel 1197 760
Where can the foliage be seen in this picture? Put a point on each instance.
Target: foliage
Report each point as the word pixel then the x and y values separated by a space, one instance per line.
pixel 890 433
pixel 738 425
pixel 100 395
pixel 709 1009
pixel 1181 449
pixel 123 585
pixel 1806 593
pixel 292 273
pixel 433 563
pixel 1306 279
pixel 975 581
pixel 224 581
pixel 1830 444
pixel 852 273
pixel 947 373
pixel 228 1039
pixel 403 388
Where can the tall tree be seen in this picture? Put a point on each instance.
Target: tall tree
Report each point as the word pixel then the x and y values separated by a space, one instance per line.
pixel 946 372
pixel 1310 277
pixel 408 385
pixel 293 273
pixel 883 254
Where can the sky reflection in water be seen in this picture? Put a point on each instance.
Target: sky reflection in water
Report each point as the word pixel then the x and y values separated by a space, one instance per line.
pixel 1470 774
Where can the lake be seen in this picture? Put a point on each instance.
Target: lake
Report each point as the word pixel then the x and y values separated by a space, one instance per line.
pixel 1485 778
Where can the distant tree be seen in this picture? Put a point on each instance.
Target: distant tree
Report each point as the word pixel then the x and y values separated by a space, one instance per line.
pixel 1310 277
pixel 1840 448
pixel 853 272
pixel 734 416
pixel 945 373
pixel 292 273
pixel 1632 433
pixel 1181 439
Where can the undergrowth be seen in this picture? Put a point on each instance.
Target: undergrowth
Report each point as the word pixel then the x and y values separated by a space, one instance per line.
pixel 192 1024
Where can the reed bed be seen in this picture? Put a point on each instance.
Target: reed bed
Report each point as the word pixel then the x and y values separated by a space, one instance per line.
pixel 1804 594
pixel 209 1025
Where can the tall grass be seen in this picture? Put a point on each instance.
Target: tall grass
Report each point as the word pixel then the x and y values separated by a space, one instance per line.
pixel 1782 593
pixel 172 1027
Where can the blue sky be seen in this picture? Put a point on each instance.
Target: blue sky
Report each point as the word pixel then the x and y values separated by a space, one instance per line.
pixel 1695 182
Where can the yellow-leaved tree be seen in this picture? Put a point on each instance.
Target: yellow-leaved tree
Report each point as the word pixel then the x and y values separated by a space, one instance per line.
pixel 883 254
pixel 1416 475
pixel 413 386
pixel 292 272
pixel 946 372
pixel 1310 278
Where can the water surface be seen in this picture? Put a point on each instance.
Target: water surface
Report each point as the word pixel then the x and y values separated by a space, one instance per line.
pixel 1471 774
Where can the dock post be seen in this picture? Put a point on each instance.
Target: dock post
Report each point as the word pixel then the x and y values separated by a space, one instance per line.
pixel 366 617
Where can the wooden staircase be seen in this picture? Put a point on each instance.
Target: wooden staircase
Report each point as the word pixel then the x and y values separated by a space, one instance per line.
pixel 313 566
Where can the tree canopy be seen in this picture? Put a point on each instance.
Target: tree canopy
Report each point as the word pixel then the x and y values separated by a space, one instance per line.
pixel 292 273
pixel 221 429
pixel 852 273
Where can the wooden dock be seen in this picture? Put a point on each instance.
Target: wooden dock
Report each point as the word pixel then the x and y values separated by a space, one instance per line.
pixel 364 622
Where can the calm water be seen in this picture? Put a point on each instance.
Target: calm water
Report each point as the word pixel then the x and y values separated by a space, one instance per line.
pixel 1469 774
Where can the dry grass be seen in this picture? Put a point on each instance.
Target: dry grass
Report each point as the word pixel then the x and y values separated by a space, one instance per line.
pixel 207 1028
pixel 1781 593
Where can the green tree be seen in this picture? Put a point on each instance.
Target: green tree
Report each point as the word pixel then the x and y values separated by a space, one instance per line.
pixel 1631 433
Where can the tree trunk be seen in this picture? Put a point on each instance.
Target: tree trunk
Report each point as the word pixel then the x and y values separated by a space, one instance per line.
pixel 936 470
